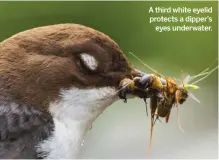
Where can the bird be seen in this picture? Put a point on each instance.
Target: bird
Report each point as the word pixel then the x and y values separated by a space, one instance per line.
pixel 55 81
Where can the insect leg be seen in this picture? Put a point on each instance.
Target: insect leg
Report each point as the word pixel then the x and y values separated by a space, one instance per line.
pixel 179 120
pixel 157 118
pixel 151 133
pixel 146 105
pixel 153 106
pixel 167 117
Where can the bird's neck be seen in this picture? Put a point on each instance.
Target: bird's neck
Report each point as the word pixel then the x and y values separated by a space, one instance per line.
pixel 73 115
pixel 66 139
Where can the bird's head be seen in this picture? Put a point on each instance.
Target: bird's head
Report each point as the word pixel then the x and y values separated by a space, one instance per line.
pixel 63 66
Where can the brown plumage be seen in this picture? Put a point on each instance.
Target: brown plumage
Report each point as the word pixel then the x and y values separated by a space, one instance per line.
pixel 50 93
pixel 36 63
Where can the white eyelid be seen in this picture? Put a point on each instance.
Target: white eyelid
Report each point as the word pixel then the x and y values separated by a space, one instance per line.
pixel 89 61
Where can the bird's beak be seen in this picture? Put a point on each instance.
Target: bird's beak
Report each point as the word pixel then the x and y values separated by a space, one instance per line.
pixel 138 72
pixel 128 87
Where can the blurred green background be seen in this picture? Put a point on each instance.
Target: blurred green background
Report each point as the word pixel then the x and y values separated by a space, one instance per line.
pixel 124 130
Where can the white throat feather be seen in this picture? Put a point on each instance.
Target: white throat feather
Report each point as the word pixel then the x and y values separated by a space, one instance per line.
pixel 73 114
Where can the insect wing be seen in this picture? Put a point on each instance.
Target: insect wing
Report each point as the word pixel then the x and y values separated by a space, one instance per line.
pixel 186 79
pixel 193 97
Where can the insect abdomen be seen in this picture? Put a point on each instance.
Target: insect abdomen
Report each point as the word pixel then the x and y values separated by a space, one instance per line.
pixel 163 112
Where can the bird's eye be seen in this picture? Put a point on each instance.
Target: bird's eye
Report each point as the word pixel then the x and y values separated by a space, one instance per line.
pixel 88 62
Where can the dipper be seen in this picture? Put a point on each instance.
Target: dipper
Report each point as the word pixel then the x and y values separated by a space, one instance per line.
pixel 54 82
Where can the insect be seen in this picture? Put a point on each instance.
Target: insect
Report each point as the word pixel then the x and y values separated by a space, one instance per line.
pixel 165 93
